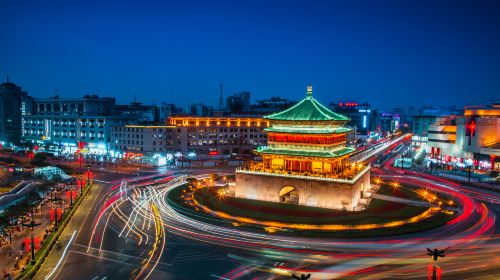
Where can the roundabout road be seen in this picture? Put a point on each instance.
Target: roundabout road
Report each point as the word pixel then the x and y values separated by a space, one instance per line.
pixel 133 232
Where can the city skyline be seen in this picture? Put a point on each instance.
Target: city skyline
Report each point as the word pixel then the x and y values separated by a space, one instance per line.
pixel 176 53
pixel 262 139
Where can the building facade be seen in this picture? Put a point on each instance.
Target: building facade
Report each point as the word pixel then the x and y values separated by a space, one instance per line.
pixel 149 143
pixel 306 161
pixel 361 116
pixel 139 112
pixel 219 135
pixel 201 110
pixel 61 124
pixel 14 105
pixel 471 139
pixel 167 110
pixel 238 102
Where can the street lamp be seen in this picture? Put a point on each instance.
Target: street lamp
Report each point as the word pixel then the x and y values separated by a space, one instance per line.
pixel 301 277
pixel 55 200
pixel 32 226
pixel 435 254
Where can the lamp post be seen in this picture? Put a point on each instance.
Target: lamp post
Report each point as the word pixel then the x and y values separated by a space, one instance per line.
pixel 10 229
pixel 302 276
pixel 71 191
pixel 32 225
pixel 54 201
pixel 435 254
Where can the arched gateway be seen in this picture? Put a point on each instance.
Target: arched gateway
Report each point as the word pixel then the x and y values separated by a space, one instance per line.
pixel 289 194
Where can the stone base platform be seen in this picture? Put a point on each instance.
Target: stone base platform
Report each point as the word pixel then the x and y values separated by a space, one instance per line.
pixel 306 190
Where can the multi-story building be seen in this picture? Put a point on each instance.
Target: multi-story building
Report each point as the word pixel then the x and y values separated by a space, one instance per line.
pixel 139 112
pixel 471 139
pixel 238 102
pixel 63 123
pixel 479 135
pixel 388 122
pixel 201 110
pixel 167 110
pixel 271 105
pixel 426 116
pixel 89 105
pixel 219 135
pixel 14 104
pixel 420 126
pixel 361 116
pixel 142 141
pixel 442 138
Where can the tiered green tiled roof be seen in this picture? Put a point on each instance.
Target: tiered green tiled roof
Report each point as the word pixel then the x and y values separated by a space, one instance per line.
pixel 307 153
pixel 303 130
pixel 308 109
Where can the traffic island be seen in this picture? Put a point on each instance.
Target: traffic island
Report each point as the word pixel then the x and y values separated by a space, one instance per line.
pixel 380 218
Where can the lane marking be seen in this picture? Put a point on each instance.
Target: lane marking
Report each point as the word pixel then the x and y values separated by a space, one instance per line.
pixel 62 256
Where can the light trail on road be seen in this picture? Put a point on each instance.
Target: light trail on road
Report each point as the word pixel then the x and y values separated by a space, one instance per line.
pixel 253 253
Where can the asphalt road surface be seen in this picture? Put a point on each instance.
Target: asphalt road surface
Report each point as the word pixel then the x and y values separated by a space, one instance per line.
pixel 127 230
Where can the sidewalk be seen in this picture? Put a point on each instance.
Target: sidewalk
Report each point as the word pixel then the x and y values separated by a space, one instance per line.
pixel 15 252
pixel 75 224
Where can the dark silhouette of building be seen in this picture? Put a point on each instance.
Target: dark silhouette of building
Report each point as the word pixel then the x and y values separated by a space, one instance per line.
pixel 14 104
pixel 201 110
pixel 140 112
pixel 167 110
pixel 238 102
pixel 271 105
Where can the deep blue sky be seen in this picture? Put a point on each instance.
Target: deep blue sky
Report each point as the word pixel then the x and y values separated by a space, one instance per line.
pixel 388 53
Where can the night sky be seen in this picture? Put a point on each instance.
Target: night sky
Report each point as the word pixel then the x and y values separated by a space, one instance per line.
pixel 388 53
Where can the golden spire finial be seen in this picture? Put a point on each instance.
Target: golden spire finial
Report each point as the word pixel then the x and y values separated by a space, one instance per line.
pixel 309 90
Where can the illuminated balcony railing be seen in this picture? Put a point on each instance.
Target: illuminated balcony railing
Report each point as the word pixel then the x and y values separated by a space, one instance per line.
pixel 348 175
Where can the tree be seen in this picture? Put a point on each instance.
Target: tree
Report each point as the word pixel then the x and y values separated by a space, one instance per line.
pixel 191 180
pixel 214 177
pixel 39 159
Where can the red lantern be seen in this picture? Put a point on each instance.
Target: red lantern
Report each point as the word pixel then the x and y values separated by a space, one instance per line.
pixel 38 242
pixel 89 174
pixel 27 244
pixel 51 214
pixel 70 195
pixel 81 145
pixel 54 212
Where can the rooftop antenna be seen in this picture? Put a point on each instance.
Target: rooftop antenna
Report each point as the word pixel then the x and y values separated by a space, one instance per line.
pixel 221 102
pixel 8 80
pixel 135 98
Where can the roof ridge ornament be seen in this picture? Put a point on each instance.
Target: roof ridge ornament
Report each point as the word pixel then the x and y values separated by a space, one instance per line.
pixel 309 90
